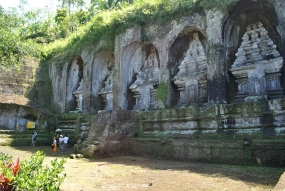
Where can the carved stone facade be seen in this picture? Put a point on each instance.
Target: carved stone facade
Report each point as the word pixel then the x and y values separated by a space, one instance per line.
pixel 74 86
pixel 257 67
pixel 192 76
pixel 107 93
pixel 194 58
pixel 79 97
pixel 146 83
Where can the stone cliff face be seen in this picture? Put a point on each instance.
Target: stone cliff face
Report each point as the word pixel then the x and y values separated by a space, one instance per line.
pixel 222 73
pixel 210 75
pixel 20 95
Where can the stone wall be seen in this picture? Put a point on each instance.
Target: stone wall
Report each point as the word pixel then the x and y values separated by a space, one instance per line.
pixel 192 82
pixel 25 94
pixel 18 82
pixel 14 116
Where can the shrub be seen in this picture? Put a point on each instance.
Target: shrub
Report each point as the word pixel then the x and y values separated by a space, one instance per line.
pixel 30 174
pixel 8 171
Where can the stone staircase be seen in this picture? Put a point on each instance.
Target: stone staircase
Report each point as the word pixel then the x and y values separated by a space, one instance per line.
pixel 68 125
pixel 16 138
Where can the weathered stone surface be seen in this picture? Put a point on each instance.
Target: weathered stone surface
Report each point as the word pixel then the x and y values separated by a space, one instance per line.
pixel 77 148
pixel 14 117
pixel 79 96
pixel 192 76
pixel 79 156
pixel 18 82
pixel 146 83
pixel 257 66
pixel 205 62
pixel 101 77
pixel 74 77
pixel 90 151
pixel 107 92
pixel 58 76
pixel 72 156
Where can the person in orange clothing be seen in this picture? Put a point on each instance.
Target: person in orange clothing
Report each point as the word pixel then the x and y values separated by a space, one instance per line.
pixel 54 146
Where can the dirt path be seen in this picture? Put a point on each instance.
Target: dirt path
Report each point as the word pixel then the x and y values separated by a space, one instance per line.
pixel 135 173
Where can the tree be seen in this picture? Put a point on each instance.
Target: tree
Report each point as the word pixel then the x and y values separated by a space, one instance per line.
pixel 106 4
pixel 61 15
pixel 72 3
pixel 13 48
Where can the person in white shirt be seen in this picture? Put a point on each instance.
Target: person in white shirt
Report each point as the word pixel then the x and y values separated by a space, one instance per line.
pixel 65 142
pixel 60 143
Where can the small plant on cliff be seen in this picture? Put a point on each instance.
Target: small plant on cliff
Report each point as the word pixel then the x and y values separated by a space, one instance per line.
pixel 161 93
pixel 30 174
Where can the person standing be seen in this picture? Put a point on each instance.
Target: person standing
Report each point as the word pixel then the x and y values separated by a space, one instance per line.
pixel 34 138
pixel 65 142
pixel 60 143
pixel 54 146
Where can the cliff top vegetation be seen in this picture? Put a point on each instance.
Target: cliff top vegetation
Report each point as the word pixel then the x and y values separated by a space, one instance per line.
pixel 63 35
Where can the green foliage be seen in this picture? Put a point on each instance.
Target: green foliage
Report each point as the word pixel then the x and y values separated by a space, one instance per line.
pixel 5 158
pixel 8 171
pixel 218 4
pixel 14 49
pixel 70 3
pixel 80 17
pixel 107 4
pixel 33 175
pixel 161 93
pixel 60 16
pixel 70 32
pixel 105 25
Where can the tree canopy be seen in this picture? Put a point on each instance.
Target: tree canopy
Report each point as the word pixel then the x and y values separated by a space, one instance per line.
pixel 13 48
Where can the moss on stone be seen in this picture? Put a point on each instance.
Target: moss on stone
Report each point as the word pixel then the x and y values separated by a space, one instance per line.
pixel 161 93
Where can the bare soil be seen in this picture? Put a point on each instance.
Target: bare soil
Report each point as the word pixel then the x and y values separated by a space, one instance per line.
pixel 135 173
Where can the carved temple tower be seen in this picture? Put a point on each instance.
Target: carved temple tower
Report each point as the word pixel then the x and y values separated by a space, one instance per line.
pixel 192 76
pixel 257 67
pixel 146 83
pixel 78 93
pixel 107 93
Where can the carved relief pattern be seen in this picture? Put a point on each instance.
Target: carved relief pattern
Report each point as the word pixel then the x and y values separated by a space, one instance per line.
pixel 107 92
pixel 257 67
pixel 147 79
pixel 79 97
pixel 192 76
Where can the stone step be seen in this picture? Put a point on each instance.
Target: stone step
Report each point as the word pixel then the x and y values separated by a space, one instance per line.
pixel 67 121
